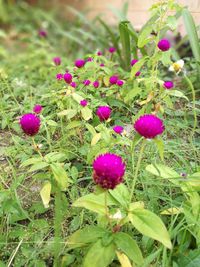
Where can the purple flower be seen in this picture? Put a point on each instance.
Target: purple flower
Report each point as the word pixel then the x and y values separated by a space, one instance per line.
pixel 168 84
pixel 30 124
pixel 83 103
pixel 133 61
pixel 99 53
pixel 137 74
pixel 120 83
pixel 113 79
pixel 103 112
pixel 96 84
pixel 37 109
pixel 149 126
pixel 59 76
pixel 89 59
pixel 112 50
pixel 86 82
pixel 42 33
pixel 57 61
pixel 68 77
pixel 73 84
pixel 118 129
pixel 108 170
pixel 79 63
pixel 102 65
pixel 164 45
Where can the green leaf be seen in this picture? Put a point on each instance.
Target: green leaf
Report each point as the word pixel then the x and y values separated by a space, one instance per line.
pixel 125 243
pixel 151 225
pixel 94 203
pixel 38 166
pixel 77 97
pixel 95 139
pixel 160 146
pixel 164 172
pixel 86 113
pixel 123 259
pixel 177 93
pixel 99 256
pixel 131 94
pixel 70 113
pixel 144 36
pixel 125 40
pixel 31 161
pixel 88 234
pixel 60 175
pixel 45 194
pixel 73 124
pixel 90 129
pixel 55 156
pixel 52 123
pixel 138 66
pixel 121 195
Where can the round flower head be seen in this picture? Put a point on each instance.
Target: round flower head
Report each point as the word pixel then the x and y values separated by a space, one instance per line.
pixel 103 112
pixel 133 61
pixel 73 84
pixel 79 63
pixel 168 84
pixel 99 53
pixel 96 84
pixel 59 76
pixel 108 170
pixel 164 45
pixel 30 124
pixel 83 103
pixel 149 126
pixel 137 74
pixel 89 59
pixel 118 129
pixel 37 109
pixel 42 33
pixel 86 82
pixel 57 61
pixel 67 77
pixel 113 79
pixel 120 83
pixel 102 65
pixel 112 50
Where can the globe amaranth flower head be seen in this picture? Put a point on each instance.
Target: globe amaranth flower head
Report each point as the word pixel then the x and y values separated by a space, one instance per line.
pixel 96 84
pixel 120 83
pixel 168 84
pixel 86 82
pixel 30 124
pixel 73 84
pixel 118 129
pixel 83 103
pixel 112 50
pixel 149 126
pixel 67 77
pixel 103 112
pixel 42 33
pixel 57 61
pixel 37 109
pixel 113 79
pixel 59 76
pixel 133 61
pixel 164 45
pixel 137 73
pixel 108 170
pixel 99 53
pixel 89 59
pixel 79 63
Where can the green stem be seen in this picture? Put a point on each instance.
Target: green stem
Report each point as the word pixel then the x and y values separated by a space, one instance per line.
pixel 137 167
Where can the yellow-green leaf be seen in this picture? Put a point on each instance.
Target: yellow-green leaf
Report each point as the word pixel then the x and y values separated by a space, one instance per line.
pixel 95 139
pixel 45 194
pixel 86 113
pixel 123 259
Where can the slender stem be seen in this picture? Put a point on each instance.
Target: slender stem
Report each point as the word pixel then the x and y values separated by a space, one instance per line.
pixel 37 149
pixel 137 167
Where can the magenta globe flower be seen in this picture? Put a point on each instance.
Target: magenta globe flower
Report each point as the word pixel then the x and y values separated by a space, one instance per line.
pixel 133 61
pixel 37 109
pixel 96 84
pixel 137 74
pixel 168 84
pixel 89 59
pixel 149 126
pixel 79 63
pixel 73 84
pixel 164 45
pixel 103 112
pixel 120 83
pixel 30 124
pixel 59 76
pixel 112 50
pixel 102 65
pixel 113 79
pixel 99 53
pixel 108 170
pixel 57 61
pixel 42 33
pixel 118 129
pixel 86 82
pixel 83 103
pixel 68 77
